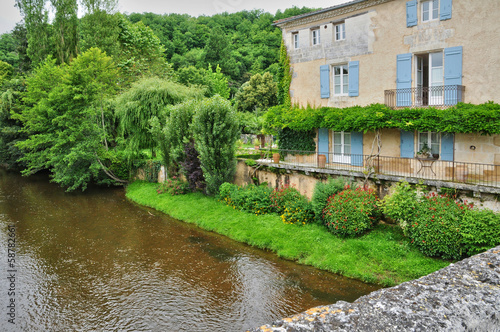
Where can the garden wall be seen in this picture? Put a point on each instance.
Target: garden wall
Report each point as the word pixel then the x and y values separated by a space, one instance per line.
pixel 461 297
pixel 305 183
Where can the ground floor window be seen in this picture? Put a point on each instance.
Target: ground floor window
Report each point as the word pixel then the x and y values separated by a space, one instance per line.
pixel 341 147
pixel 430 140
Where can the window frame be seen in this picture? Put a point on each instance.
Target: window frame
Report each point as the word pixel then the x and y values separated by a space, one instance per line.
pixel 343 157
pixel 295 40
pixel 315 37
pixel 340 31
pixel 344 86
pixel 432 10
pixel 428 139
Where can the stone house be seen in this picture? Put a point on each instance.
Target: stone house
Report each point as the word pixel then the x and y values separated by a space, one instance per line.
pixel 402 53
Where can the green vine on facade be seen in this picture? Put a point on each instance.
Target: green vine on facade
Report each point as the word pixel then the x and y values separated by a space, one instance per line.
pixel 284 77
pixel 296 140
pixel 462 118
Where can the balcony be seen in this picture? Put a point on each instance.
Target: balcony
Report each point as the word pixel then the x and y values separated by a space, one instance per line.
pixel 436 96
pixel 432 171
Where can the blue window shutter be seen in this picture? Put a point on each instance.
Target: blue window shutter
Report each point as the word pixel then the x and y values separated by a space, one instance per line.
pixel 453 74
pixel 353 78
pixel 324 77
pixel 403 79
pixel 445 10
pixel 323 142
pixel 356 148
pixel 407 144
pixel 447 140
pixel 411 13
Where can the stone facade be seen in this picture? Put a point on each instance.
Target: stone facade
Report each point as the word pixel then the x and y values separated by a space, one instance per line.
pixel 376 32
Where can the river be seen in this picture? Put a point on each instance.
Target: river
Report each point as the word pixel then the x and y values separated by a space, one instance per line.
pixel 94 261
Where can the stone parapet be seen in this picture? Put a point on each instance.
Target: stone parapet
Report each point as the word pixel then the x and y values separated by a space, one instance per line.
pixel 461 297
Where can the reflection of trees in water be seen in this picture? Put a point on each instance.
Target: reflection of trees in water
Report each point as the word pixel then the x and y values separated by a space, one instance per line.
pixel 91 258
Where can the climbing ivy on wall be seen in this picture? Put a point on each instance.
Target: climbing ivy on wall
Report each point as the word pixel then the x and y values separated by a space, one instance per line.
pixel 289 139
pixel 462 118
pixel 284 77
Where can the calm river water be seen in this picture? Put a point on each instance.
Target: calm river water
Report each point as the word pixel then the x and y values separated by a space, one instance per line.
pixel 94 261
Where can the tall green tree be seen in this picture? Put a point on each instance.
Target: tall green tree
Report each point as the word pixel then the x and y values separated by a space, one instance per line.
pixel 100 26
pixel 141 53
pixel 64 128
pixel 145 100
pixel 39 31
pixel 10 129
pixel 65 27
pixel 215 131
pixel 20 36
pixel 257 94
pixel 217 48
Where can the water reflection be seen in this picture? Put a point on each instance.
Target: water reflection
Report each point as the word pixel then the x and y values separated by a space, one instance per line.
pixel 94 261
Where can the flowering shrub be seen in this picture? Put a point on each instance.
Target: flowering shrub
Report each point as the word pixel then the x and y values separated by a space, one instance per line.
pixel 351 212
pixel 323 191
pixel 435 226
pixel 174 186
pixel 286 194
pixel 298 212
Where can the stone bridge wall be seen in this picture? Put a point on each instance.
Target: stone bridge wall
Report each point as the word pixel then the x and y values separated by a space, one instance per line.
pixel 461 297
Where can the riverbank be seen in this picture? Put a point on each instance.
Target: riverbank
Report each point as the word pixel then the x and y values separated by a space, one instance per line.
pixel 382 256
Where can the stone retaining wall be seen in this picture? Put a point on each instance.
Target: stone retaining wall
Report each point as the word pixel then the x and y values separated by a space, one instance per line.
pixel 461 297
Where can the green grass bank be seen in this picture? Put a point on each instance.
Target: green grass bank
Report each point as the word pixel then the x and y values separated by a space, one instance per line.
pixel 382 256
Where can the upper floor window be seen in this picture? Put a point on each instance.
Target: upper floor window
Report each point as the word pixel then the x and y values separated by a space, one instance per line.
pixel 430 10
pixel 340 31
pixel 341 80
pixel 295 40
pixel 315 36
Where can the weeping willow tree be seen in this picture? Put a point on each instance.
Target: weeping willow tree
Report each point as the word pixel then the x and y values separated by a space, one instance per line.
pixel 145 100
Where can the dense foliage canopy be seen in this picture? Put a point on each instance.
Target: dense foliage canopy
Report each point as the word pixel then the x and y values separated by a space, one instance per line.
pixel 462 118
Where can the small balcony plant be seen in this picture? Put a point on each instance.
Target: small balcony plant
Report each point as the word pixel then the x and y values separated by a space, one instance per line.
pixel 424 152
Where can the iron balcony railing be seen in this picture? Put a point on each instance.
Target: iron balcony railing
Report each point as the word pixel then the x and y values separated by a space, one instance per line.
pixel 419 168
pixel 438 96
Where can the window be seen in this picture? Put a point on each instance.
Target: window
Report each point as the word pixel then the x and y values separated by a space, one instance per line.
pixel 340 31
pixel 342 147
pixel 315 37
pixel 341 80
pixel 430 10
pixel 295 40
pixel 430 139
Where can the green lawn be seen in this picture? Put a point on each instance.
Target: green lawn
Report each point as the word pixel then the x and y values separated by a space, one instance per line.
pixel 382 256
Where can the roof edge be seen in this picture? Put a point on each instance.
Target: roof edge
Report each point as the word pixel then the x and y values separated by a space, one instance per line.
pixel 293 18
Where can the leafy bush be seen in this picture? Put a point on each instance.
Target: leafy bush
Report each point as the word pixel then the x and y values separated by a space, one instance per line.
pixel 480 231
pixel 249 198
pixel 174 186
pixel 191 167
pixel 225 190
pixel 435 226
pixel 351 212
pixel 400 204
pixel 286 194
pixel 323 191
pixel 298 211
